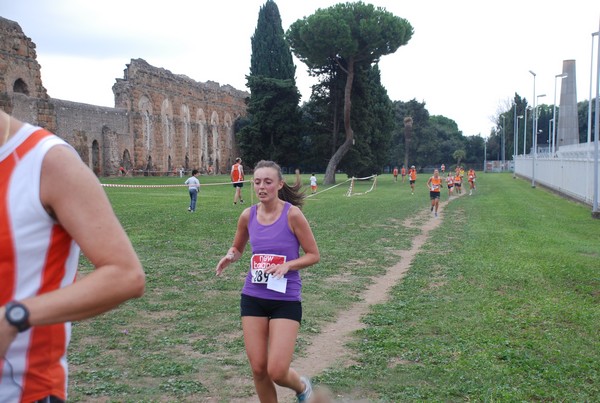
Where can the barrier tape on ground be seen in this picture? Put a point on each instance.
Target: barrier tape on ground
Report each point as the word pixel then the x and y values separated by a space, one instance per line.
pixel 325 190
pixel 122 185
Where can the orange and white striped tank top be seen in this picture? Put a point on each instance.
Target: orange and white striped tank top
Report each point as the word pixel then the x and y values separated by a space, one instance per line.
pixel 36 256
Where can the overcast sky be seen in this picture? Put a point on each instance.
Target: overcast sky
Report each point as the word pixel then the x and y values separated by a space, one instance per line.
pixel 465 60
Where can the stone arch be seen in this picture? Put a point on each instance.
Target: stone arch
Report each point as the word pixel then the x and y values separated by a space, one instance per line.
pixel 145 108
pixel 96 157
pixel 214 128
pixel 126 161
pixel 149 167
pixel 185 116
pixel 166 115
pixel 229 137
pixel 20 87
pixel 203 152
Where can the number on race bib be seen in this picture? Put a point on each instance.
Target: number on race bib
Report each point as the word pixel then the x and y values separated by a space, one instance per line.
pixel 260 262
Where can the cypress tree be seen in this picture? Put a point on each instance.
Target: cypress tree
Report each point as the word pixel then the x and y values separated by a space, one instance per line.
pixel 273 127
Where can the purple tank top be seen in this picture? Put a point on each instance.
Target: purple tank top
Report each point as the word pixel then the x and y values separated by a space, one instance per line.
pixel 274 239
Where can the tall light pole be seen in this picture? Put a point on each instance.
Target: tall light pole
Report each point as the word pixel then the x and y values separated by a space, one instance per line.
pixel 595 212
pixel 535 124
pixel 503 142
pixel 516 143
pixel 525 132
pixel 550 127
pixel 589 130
pixel 533 135
pixel 561 76
pixel 485 155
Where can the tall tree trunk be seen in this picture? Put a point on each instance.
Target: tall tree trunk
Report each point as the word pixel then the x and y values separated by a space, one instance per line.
pixel 408 122
pixel 345 147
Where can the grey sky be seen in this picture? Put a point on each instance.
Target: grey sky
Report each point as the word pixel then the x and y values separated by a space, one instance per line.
pixel 465 61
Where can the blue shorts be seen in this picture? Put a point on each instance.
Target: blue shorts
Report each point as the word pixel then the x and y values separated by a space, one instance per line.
pixel 271 308
pixel 238 185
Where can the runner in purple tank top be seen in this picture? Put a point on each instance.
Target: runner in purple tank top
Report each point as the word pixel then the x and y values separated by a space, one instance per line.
pixel 271 306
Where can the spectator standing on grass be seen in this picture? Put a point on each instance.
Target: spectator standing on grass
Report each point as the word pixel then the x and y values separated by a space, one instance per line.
pixel 434 183
pixel 313 183
pixel 51 207
pixel 412 178
pixel 193 188
pixel 237 177
pixel 271 307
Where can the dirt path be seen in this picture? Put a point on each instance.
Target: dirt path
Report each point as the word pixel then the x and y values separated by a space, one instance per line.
pixel 328 347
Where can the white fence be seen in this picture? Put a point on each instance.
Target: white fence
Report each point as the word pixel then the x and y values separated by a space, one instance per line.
pixel 570 171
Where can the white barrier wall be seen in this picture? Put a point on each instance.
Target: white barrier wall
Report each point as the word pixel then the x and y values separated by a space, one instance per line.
pixel 570 171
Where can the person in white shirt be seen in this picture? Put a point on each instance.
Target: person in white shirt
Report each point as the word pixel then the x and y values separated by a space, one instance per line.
pixel 194 188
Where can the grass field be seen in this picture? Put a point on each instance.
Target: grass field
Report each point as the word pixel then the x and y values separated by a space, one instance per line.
pixel 503 304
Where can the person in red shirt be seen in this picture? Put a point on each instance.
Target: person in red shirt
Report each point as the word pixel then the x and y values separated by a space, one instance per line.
pixel 434 183
pixel 412 178
pixel 237 177
pixel 395 173
pixel 403 173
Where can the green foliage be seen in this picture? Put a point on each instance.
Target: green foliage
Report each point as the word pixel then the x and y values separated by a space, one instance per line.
pixel 271 55
pixel 347 31
pixel 273 130
pixel 372 121
pixel 351 36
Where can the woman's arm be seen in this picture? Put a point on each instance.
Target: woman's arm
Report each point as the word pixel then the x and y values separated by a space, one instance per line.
pixel 239 242
pixel 71 193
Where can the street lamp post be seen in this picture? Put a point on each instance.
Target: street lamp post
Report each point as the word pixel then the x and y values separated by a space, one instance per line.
pixel 561 76
pixel 533 135
pixel 525 132
pixel 550 128
pixel 503 142
pixel 485 155
pixel 595 212
pixel 516 143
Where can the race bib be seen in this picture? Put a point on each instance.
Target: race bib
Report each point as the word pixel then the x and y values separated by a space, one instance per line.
pixel 261 262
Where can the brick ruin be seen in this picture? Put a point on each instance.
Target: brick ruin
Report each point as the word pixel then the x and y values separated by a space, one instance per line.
pixel 161 121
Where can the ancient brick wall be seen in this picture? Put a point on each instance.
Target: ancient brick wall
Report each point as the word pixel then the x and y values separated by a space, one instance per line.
pixel 162 121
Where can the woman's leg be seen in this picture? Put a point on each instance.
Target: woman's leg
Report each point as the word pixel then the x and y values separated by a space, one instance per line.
pixel 282 341
pixel 256 338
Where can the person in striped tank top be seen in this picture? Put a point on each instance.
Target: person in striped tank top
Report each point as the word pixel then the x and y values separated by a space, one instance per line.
pixel 271 307
pixel 51 208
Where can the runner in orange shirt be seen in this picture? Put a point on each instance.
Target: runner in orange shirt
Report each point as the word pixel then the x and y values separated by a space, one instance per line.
pixel 458 183
pixel 395 173
pixel 434 183
pixel 412 176
pixel 403 173
pixel 471 176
